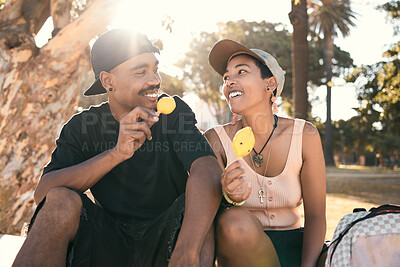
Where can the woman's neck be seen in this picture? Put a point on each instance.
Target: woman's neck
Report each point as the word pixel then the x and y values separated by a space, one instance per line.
pixel 261 123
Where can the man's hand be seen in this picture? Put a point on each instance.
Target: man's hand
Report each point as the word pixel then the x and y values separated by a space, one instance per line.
pixel 134 129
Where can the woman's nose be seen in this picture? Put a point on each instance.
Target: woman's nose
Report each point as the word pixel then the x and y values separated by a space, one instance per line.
pixel 230 83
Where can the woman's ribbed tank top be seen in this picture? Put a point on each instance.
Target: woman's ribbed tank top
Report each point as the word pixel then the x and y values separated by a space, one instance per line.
pixel 283 197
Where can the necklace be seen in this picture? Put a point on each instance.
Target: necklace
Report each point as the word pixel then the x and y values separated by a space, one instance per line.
pixel 258 157
pixel 261 192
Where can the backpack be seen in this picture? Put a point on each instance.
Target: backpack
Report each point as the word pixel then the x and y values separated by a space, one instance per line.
pixel 367 238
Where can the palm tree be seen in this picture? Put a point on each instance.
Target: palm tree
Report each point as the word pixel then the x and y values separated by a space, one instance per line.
pixel 299 19
pixel 327 19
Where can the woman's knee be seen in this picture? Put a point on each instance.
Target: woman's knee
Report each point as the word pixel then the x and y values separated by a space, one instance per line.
pixel 237 226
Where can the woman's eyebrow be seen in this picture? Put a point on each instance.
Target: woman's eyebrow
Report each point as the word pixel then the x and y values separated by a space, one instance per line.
pixel 237 66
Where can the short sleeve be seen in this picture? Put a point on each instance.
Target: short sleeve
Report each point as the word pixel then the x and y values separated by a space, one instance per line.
pixel 188 142
pixel 70 149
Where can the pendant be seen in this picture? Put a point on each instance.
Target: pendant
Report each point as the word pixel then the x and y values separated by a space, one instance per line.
pixel 258 160
pixel 261 195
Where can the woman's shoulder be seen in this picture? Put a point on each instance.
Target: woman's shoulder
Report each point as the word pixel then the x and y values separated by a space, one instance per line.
pixel 229 128
pixel 214 140
pixel 287 126
pixel 285 121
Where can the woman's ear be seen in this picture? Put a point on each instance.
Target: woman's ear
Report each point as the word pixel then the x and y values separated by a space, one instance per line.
pixel 272 83
pixel 106 80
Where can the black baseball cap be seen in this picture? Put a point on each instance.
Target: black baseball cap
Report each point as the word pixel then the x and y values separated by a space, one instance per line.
pixel 113 48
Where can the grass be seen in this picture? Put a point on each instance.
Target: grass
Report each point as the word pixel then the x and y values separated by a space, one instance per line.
pixel 374 185
pixel 361 169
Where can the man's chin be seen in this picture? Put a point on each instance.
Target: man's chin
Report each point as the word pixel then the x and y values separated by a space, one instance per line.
pixel 149 102
pixel 152 106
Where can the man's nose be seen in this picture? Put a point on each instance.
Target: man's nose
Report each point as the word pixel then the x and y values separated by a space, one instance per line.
pixel 155 79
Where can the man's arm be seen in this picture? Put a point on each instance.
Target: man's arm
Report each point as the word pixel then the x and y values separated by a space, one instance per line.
pixel 203 196
pixel 81 176
pixel 134 130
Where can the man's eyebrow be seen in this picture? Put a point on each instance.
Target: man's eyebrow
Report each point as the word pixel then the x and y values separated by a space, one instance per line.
pixel 237 66
pixel 143 65
pixel 140 66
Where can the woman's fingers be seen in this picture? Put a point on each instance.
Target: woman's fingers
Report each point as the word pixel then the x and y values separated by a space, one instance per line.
pixel 247 192
pixel 232 171
pixel 235 185
pixel 239 197
pixel 234 182
pixel 234 165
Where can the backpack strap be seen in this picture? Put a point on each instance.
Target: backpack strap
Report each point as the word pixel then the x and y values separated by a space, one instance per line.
pixel 383 209
pixel 387 208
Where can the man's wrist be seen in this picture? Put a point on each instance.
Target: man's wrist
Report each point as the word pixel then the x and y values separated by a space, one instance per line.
pixel 116 156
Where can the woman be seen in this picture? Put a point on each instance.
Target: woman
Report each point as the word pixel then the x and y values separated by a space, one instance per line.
pixel 268 186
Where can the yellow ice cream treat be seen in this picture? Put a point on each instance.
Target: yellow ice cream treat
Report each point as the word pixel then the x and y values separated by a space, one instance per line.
pixel 243 142
pixel 166 105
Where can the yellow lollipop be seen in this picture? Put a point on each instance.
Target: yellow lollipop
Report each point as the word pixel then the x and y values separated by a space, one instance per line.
pixel 243 142
pixel 166 105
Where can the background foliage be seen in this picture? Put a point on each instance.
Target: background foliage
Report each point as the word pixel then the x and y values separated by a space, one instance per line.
pixel 274 38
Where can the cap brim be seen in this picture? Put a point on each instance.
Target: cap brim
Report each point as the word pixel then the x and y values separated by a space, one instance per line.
pixel 95 89
pixel 222 52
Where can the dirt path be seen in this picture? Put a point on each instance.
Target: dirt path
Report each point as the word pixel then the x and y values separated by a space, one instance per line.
pixel 358 188
pixel 339 205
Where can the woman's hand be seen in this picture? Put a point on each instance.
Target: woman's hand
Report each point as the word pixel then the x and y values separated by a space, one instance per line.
pixel 234 183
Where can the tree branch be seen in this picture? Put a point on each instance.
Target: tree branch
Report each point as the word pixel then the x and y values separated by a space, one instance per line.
pixel 11 12
pixel 78 33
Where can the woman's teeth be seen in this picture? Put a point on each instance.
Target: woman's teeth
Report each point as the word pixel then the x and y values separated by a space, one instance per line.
pixel 235 94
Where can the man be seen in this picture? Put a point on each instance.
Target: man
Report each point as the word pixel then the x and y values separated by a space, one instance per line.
pixel 136 163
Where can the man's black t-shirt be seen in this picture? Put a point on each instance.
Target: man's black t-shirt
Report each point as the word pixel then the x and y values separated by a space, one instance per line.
pixel 145 185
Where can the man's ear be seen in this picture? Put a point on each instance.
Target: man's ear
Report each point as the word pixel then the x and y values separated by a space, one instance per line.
pixel 106 80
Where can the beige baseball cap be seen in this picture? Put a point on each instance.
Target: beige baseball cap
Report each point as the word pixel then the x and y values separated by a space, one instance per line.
pixel 225 49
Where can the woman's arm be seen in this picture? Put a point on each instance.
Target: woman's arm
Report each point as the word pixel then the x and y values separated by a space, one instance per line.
pixel 313 183
pixel 215 143
pixel 232 176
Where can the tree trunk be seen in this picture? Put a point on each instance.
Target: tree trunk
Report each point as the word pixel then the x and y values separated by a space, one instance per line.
pixel 328 56
pixel 299 19
pixel 39 91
